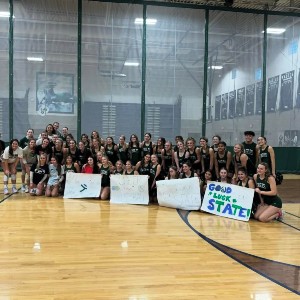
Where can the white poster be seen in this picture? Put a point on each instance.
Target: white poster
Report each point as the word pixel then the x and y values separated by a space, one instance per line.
pixel 81 185
pixel 129 189
pixel 228 200
pixel 179 193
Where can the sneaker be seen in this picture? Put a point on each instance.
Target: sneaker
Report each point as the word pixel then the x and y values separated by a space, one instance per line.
pixel 26 189
pixel 6 192
pixel 14 190
pixel 23 188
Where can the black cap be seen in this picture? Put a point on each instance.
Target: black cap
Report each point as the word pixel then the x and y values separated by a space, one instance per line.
pixel 249 132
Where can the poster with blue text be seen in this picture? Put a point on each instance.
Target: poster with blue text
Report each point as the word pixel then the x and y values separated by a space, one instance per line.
pixel 228 200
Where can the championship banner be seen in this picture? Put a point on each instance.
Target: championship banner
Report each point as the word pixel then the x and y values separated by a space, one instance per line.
pixel 228 200
pixel 79 185
pixel 179 193
pixel 129 189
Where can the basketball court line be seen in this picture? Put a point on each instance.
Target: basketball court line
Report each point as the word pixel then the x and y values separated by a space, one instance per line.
pixel 275 271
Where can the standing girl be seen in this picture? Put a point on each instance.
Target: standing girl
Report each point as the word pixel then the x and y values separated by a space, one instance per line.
pixel 147 145
pixel 180 156
pixel 134 150
pixel 167 155
pixel 10 159
pixel 29 159
pixel 122 149
pixel 266 154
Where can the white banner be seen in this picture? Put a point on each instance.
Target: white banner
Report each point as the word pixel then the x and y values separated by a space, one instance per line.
pixel 81 185
pixel 228 200
pixel 129 189
pixel 179 193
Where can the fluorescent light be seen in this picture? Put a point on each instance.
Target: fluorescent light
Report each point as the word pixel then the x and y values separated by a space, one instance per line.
pixel 216 67
pixel 273 30
pixel 35 58
pixel 131 64
pixel 148 21
pixel 5 14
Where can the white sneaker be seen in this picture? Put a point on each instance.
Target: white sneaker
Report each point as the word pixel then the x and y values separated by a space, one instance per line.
pixel 14 190
pixel 6 192
pixel 26 189
pixel 23 188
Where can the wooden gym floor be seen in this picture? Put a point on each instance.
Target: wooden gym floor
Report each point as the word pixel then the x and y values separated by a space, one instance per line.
pixel 89 249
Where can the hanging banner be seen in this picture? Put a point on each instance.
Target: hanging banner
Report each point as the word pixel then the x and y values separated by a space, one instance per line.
pixel 272 94
pixel 228 200
pixel 258 96
pixel 286 91
pixel 79 185
pixel 250 93
pixel 240 102
pixel 224 106
pixel 179 193
pixel 129 189
pixel 232 96
pixel 217 107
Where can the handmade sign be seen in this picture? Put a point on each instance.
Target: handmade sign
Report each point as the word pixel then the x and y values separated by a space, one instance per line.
pixel 228 200
pixel 80 185
pixel 179 193
pixel 129 189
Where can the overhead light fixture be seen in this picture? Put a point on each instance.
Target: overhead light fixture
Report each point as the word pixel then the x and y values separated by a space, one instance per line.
pixel 140 21
pixel 273 30
pixel 131 64
pixel 5 14
pixel 216 67
pixel 30 58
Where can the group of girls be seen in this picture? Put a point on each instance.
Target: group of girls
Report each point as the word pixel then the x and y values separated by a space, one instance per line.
pixel 47 160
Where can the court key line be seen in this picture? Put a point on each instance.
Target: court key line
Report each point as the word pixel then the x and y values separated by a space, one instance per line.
pixel 292 214
pixel 5 198
pixel 280 273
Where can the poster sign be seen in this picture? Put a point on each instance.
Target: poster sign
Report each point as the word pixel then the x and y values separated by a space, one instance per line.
pixel 179 193
pixel 54 93
pixel 129 189
pixel 228 200
pixel 80 185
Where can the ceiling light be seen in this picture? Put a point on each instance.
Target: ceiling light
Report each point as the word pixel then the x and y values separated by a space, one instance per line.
pixel 131 64
pixel 216 67
pixel 148 21
pixel 5 14
pixel 35 58
pixel 273 30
